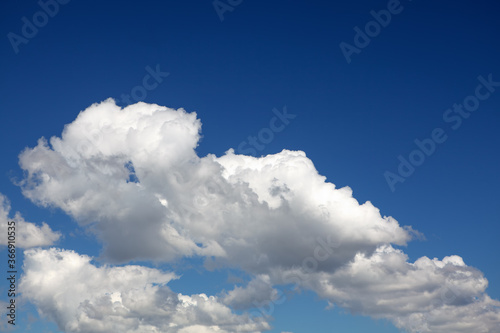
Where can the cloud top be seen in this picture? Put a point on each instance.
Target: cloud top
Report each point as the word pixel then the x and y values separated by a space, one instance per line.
pixel 133 177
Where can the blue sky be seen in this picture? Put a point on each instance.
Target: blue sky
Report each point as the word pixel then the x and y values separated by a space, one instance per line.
pixel 353 119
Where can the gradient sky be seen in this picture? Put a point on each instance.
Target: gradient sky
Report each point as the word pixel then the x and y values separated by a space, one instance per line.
pixel 353 119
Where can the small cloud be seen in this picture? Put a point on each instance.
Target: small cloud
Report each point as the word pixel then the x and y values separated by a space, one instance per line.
pixel 27 234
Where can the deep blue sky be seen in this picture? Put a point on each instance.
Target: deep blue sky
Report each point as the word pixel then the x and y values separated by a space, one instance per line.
pixel 353 120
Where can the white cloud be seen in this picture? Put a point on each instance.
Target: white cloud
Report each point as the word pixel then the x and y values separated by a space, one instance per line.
pixel 435 296
pixel 27 234
pixel 81 297
pixel 134 178
pixel 234 208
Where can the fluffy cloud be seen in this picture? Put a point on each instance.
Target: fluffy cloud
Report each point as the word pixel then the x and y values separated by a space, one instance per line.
pixel 81 297
pixel 435 296
pixel 133 177
pixel 27 234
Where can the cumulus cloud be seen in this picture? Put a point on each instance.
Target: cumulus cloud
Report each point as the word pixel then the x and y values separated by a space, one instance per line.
pixel 133 174
pixel 256 292
pixel 27 234
pixel 429 295
pixel 81 297
pixel 133 177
